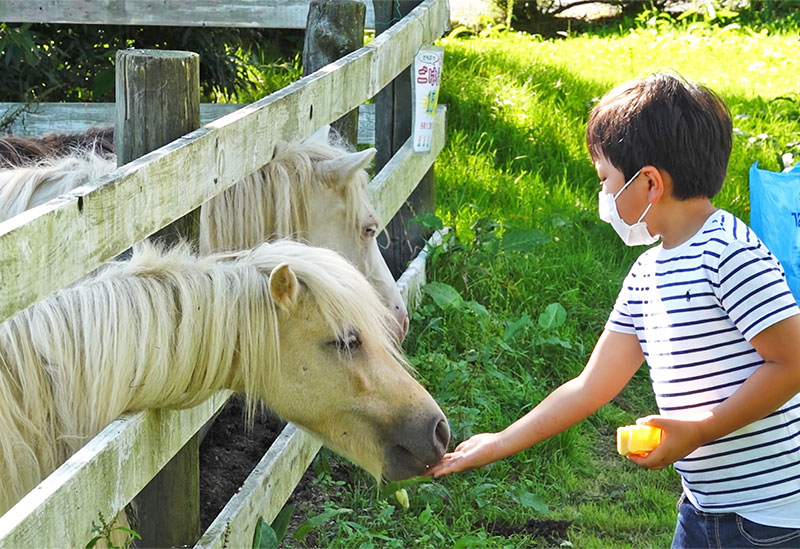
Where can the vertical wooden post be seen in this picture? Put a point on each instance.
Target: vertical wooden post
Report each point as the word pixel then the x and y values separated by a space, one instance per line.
pixel 334 28
pixel 392 130
pixel 157 101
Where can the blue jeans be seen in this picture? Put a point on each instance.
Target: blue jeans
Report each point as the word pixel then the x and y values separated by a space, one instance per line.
pixel 696 529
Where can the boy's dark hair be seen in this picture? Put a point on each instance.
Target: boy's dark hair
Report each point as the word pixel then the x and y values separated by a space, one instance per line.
pixel 679 127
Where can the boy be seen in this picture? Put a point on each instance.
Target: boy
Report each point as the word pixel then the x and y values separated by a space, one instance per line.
pixel 708 309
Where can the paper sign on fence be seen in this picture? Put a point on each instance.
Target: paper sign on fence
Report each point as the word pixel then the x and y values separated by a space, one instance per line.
pixel 426 76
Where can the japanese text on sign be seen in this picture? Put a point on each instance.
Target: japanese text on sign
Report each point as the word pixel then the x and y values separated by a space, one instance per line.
pixel 426 75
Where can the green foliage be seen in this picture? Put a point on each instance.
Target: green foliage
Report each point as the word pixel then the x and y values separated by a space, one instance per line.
pixel 314 522
pixel 269 536
pixel 48 62
pixel 391 488
pixel 104 532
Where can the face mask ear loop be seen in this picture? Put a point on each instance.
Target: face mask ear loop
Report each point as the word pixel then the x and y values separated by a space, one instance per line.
pixel 625 186
pixel 647 209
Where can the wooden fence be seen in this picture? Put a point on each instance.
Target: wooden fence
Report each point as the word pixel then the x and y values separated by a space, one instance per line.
pixel 54 244
pixel 268 14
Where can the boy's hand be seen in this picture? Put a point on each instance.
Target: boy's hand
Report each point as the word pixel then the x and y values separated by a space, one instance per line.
pixel 473 452
pixel 680 437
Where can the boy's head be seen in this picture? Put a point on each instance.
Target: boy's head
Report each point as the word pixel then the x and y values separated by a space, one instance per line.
pixel 679 127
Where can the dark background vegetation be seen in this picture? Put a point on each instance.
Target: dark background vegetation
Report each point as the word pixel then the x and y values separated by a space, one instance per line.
pixel 46 62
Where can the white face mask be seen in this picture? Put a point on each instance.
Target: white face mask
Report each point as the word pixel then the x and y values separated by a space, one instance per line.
pixel 632 235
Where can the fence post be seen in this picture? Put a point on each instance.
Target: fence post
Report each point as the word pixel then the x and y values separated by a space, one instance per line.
pixel 334 28
pixel 157 101
pixel 392 130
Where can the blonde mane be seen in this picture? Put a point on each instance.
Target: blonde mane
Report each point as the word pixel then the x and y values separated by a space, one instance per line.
pixel 75 361
pixel 28 186
pixel 274 200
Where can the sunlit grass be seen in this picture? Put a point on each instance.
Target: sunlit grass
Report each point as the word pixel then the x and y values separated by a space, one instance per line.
pixel 516 164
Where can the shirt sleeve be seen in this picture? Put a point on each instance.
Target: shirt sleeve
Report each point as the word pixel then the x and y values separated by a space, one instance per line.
pixel 620 318
pixel 752 287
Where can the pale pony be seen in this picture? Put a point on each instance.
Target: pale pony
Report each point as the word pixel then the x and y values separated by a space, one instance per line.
pixel 295 327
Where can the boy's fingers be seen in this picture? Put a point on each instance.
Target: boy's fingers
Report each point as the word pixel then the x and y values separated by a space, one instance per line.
pixel 439 470
pixel 647 460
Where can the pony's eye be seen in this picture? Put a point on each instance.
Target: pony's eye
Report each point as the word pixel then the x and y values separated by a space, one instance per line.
pixel 371 230
pixel 348 342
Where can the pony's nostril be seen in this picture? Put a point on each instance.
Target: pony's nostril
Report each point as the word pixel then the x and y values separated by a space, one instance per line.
pixel 401 328
pixel 441 435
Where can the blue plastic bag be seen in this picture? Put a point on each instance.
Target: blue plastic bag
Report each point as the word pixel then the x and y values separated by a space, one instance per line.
pixel 775 217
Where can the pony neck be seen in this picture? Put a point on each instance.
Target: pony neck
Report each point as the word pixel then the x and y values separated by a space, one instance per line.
pixel 168 333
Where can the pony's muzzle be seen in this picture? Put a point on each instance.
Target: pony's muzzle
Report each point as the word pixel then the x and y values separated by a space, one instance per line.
pixel 417 445
pixel 400 315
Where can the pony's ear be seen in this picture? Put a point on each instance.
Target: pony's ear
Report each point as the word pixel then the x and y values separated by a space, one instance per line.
pixel 344 167
pixel 319 137
pixel 283 287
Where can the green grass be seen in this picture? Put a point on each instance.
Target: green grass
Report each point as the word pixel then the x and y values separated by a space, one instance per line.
pixel 537 274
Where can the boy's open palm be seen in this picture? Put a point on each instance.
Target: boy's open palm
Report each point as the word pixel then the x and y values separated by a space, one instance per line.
pixel 473 452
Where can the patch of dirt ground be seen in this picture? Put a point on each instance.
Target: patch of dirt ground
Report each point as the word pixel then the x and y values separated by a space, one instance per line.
pixel 229 453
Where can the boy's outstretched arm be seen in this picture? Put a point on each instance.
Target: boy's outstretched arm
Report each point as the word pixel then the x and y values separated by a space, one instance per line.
pixel 614 360
pixel 767 389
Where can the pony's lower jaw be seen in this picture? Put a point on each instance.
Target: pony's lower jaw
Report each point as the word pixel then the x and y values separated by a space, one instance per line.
pixel 402 464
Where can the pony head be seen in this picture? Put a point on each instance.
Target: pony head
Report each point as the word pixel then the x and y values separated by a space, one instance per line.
pixel 315 191
pixel 340 374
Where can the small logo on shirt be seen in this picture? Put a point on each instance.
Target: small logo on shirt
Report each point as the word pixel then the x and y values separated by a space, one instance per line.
pixel 688 295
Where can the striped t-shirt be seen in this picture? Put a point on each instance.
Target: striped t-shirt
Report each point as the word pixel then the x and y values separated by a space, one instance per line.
pixel 695 308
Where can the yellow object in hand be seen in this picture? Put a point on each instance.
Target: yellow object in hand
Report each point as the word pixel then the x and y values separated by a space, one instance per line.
pixel 636 439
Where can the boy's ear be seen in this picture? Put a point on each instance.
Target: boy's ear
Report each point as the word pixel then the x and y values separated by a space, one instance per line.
pixel 658 183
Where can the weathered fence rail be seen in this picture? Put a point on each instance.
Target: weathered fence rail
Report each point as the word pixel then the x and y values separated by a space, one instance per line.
pixel 42 118
pixel 53 245
pixel 268 14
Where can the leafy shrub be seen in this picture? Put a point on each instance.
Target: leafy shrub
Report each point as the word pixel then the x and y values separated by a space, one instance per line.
pixel 49 62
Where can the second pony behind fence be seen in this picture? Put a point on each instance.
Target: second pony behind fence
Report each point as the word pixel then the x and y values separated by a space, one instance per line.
pixel 313 191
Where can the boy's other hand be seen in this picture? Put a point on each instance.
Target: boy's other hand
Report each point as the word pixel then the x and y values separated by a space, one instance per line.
pixel 473 452
pixel 680 437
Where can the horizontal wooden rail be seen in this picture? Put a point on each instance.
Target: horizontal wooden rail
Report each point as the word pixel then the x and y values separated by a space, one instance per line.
pixel 269 14
pixel 264 492
pixel 82 229
pixel 413 278
pixel 37 119
pixel 34 119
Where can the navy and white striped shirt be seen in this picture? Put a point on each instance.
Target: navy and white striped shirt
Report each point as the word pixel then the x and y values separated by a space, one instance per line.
pixel 695 308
